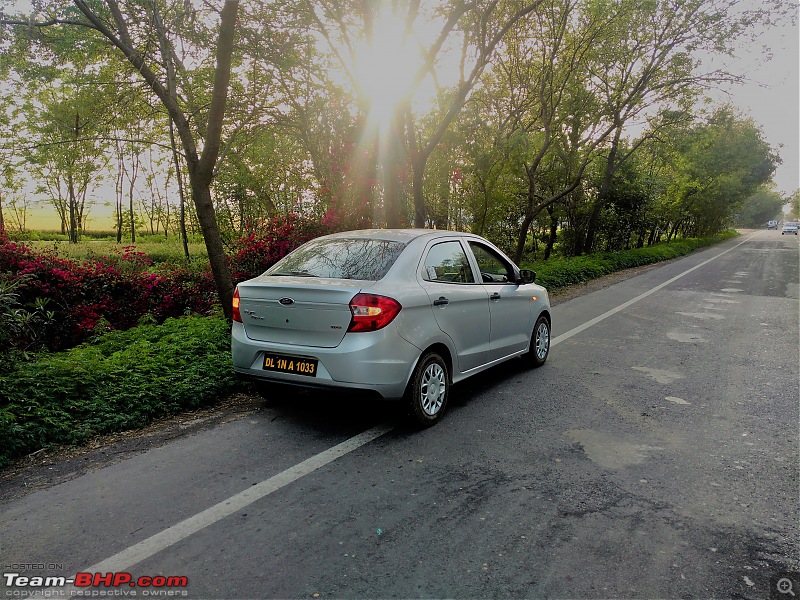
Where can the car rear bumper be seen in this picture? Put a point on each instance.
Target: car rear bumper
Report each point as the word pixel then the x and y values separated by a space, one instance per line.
pixel 377 361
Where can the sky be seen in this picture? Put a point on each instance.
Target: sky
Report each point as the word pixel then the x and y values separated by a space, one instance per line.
pixel 771 95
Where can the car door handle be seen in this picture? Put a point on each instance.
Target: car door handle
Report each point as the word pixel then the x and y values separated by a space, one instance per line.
pixel 442 301
pixel 495 296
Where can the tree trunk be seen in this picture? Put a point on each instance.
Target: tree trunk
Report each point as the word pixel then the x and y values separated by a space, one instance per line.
pixel 391 193
pixel 674 230
pixel 523 236
pixel 201 194
pixel 131 214
pixel 591 227
pixel 605 188
pixel 418 159
pixel 392 203
pixel 73 226
pixel 181 191
pixel 118 207
pixel 533 209
pixel 79 221
pixel 418 173
pixel 551 239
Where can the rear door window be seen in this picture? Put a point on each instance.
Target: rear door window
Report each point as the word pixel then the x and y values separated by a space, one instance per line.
pixel 447 262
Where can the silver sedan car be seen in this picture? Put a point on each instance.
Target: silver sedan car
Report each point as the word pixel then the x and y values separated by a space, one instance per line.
pixel 403 313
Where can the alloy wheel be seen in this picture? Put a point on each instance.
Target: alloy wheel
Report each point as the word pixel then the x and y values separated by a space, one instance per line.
pixel 433 388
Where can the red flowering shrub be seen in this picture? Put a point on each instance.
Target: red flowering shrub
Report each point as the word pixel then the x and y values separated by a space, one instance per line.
pixel 114 293
pixel 270 241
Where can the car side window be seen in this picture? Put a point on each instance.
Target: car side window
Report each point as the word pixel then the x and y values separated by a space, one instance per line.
pixel 491 265
pixel 447 262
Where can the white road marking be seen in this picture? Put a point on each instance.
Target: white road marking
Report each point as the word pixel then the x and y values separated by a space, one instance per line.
pixel 592 322
pixel 172 535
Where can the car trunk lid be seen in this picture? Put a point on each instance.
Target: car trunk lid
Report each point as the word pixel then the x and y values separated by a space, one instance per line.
pixel 297 310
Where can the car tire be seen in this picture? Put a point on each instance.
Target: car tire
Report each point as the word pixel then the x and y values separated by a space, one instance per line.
pixel 539 349
pixel 428 390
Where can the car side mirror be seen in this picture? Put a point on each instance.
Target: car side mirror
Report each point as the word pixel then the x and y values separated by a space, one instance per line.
pixel 527 276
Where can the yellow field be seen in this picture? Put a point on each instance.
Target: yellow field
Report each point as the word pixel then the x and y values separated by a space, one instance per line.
pixel 44 219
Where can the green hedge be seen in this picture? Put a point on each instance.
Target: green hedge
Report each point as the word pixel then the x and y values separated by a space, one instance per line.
pixel 561 272
pixel 123 380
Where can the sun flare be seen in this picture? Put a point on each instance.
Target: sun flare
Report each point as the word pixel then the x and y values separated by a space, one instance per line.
pixel 386 66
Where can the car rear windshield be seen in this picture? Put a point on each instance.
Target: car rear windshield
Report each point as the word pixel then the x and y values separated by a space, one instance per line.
pixel 340 258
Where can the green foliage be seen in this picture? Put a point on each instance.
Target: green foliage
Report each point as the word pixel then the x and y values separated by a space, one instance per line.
pixel 794 204
pixel 717 165
pixel 561 272
pixel 626 213
pixel 21 327
pixel 67 154
pixel 761 207
pixel 123 380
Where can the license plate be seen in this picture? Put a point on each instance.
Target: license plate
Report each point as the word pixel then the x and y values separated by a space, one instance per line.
pixel 290 364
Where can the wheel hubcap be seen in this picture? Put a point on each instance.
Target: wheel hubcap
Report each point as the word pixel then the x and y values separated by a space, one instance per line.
pixel 542 341
pixel 432 389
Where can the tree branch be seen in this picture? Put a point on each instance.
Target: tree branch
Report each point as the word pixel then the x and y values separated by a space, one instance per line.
pixel 219 93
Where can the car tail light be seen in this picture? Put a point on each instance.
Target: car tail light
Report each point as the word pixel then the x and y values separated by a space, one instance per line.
pixel 372 312
pixel 237 316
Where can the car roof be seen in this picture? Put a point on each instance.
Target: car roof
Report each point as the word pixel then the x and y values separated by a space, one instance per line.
pixel 395 235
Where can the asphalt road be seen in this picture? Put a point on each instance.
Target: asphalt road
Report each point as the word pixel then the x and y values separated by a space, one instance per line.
pixel 655 455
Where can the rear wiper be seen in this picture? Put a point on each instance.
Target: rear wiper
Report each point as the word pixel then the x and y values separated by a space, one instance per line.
pixel 296 274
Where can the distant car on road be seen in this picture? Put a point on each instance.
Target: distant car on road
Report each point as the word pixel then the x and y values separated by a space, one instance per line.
pixel 772 225
pixel 789 227
pixel 399 313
